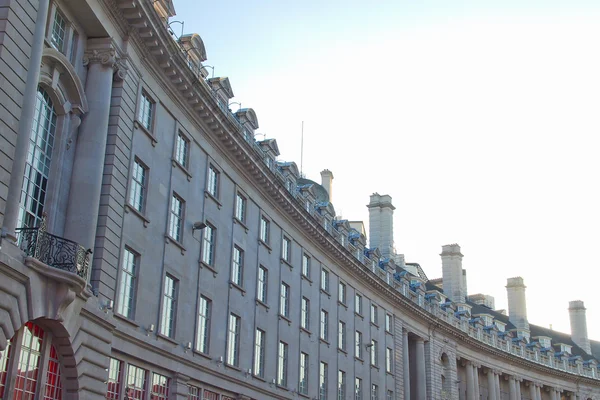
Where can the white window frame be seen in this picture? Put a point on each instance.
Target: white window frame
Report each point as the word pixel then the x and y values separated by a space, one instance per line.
pixel 139 186
pixel 128 285
pixel 262 285
pixel 342 292
pixel 237 266
pixel 305 313
pixel 259 352
pixel 324 325
pixel 240 207
pixel 208 245
pixel 342 335
pixel 284 300
pixel 169 306
pixel 177 216
pixel 282 364
pixel 147 111
pixel 212 183
pixel 265 227
pixel 203 333
pixel 286 249
pixel 304 365
pixel 182 150
pixel 233 340
pixel 358 351
pixel 306 265
pixel 325 279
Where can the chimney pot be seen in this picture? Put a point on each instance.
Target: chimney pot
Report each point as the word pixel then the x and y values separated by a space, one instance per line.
pixel 578 321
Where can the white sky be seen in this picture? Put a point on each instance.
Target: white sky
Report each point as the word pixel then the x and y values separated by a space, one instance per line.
pixel 481 121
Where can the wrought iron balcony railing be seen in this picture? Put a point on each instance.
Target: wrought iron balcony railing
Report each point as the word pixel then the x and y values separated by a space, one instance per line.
pixel 54 251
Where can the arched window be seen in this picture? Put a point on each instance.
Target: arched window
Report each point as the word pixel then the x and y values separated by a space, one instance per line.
pixel 33 360
pixel 39 156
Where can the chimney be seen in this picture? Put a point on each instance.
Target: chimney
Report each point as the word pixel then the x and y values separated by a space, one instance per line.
pixel 381 224
pixel 464 284
pixel 579 325
pixel 452 273
pixel 517 303
pixel 327 183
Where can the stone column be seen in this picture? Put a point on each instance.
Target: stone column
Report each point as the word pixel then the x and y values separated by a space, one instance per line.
pixel 497 384
pixel 470 381
pixel 476 381
pixel 538 391
pixel 13 197
pixel 518 388
pixel 86 180
pixel 512 387
pixel 406 360
pixel 421 389
pixel 491 385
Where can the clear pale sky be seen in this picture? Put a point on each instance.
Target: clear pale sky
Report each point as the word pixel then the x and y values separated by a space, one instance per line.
pixel 480 119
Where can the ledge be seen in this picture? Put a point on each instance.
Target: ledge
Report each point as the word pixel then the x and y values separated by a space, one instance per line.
pixel 306 278
pixel 232 284
pixel 261 303
pixel 207 195
pixel 169 239
pixel 309 333
pixel 289 321
pixel 343 304
pixel 129 208
pixel 125 319
pixel 286 262
pixel 260 241
pixel 201 354
pixel 182 168
pixel 236 220
pixel 167 338
pixel 202 264
pixel 137 124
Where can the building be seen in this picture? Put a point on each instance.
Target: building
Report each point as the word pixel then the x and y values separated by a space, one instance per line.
pixel 152 249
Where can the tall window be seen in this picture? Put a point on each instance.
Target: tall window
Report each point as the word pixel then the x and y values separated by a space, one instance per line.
pixel 182 149
pixel 259 353
pixel 342 335
pixel 322 381
pixel 213 181
pixel 53 385
pixel 305 314
pixel 303 386
pixel 114 380
pixel 146 111
pixel 169 307
pixel 137 192
pixel 358 389
pixel 388 359
pixel 284 305
pixel 390 395
pixel 160 387
pixel 261 290
pixel 358 345
pixel 286 249
pixel 374 392
pixel 342 293
pixel 264 230
pixel 208 246
pixel 324 279
pixel 135 387
pixel 126 299
pixel 59 32
pixel 233 340
pixel 237 267
pixel 324 333
pixel 358 304
pixel 203 334
pixel 388 323
pixel 306 265
pixel 282 364
pixel 341 385
pixel 39 156
pixel 374 350
pixel 4 367
pixel 374 314
pixel 240 208
pixel 176 223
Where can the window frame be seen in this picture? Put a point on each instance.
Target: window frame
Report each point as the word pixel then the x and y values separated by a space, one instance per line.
pixel 146 112
pixel 306 265
pixel 342 335
pixel 282 364
pixel 233 340
pixel 284 300
pixel 358 351
pixel 325 279
pixel 203 329
pixel 169 300
pixel 182 139
pixel 237 266
pixel 241 203
pixel 303 373
pixel 258 366
pixel 262 285
pixel 208 246
pixel 323 371
pixel 265 230
pixel 324 326
pixel 176 220
pixel 374 356
pixel 213 181
pixel 138 191
pixel 305 313
pixel 133 283
pixel 389 357
pixel 286 249
pixel 358 304
pixel 342 292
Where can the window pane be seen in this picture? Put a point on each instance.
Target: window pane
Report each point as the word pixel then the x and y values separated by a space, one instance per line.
pixel 135 387
pixel 126 297
pixel 203 325
pixel 29 362
pixel 114 380
pixel 167 325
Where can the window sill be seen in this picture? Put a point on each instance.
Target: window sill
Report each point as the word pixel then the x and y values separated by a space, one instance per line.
pixel 286 262
pixel 125 319
pixel 169 239
pixel 130 208
pixel 389 373
pixel 359 315
pixel 260 302
pixel 232 367
pixel 201 354
pixel 167 338
pixel 140 126
pixel 260 378
pixel 260 241
pixel 361 360
pixel 304 395
pixel 289 321
pixel 389 332
pixel 208 267
pixel 232 284
pixel 326 292
pixel 324 342
pixel 236 220
pixel 375 366
pixel 375 325
pixel 282 387
pixel 342 351
pixel 309 333
pixel 183 168
pixel 343 304
pixel 306 278
pixel 207 195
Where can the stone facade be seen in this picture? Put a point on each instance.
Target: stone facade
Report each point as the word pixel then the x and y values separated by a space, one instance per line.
pixel 151 248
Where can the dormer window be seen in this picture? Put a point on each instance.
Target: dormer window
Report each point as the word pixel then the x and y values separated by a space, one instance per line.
pixel 545 342
pixel 565 347
pixel 59 32
pixel 288 185
pixel 268 162
pixel 373 265
pixel 307 205
pixel 343 240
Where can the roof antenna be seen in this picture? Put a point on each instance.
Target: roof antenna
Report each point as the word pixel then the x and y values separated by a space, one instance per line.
pixel 302 151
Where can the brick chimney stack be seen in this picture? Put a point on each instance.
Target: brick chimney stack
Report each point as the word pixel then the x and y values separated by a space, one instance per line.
pixel 517 303
pixel 452 273
pixel 381 224
pixel 579 332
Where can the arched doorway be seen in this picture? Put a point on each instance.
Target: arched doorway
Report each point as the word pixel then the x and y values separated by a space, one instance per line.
pixel 30 366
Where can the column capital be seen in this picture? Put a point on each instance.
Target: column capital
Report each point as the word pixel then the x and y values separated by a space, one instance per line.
pixel 104 56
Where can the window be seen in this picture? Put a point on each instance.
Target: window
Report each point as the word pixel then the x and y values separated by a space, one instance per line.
pixel 182 150
pixel 341 385
pixel 284 305
pixel 357 389
pixel 358 304
pixel 358 345
pixel 388 323
pixel 208 245
pixel 342 293
pixel 389 358
pixel 160 387
pixel 282 364
pixel 59 32
pixel 264 230
pixel 176 223
pixel 53 385
pixel 146 111
pixel 126 296
pixel 240 208
pixel 114 380
pixel 286 249
pixel 303 386
pixel 324 325
pixel 306 265
pixel 373 314
pixel 390 395
pixel 324 279
pixel 374 352
pixel 137 192
pixel 307 206
pixel 136 383
pixel 374 392
pixel 323 381
pixel 37 168
pixel 261 289
pixel 342 335
pixel 213 181
pixel 259 353
pixel 4 367
pixel 194 393
pixel 237 266
pixel 233 340
pixel 169 307
pixel 73 47
pixel 203 334
pixel 305 317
